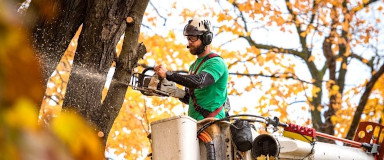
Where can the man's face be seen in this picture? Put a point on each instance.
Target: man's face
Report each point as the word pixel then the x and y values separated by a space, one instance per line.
pixel 195 45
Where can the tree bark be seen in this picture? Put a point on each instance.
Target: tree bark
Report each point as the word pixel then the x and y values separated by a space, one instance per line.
pixel 103 24
pixel 53 29
pixel 126 62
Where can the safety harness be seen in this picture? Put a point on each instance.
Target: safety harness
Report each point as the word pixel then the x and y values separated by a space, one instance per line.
pixel 197 107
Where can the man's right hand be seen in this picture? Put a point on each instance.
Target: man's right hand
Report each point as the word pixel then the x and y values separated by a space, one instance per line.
pixel 160 70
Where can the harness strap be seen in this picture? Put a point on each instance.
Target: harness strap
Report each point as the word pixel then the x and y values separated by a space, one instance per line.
pixel 205 59
pixel 197 107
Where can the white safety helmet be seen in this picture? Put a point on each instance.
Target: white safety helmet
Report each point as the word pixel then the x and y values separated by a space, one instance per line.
pixel 199 27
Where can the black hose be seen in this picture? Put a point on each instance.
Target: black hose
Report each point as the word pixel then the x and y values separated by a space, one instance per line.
pixel 210 148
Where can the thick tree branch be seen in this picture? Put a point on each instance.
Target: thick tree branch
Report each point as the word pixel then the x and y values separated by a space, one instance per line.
pixel 362 6
pixel 130 54
pixel 363 101
pixel 343 49
pixel 53 30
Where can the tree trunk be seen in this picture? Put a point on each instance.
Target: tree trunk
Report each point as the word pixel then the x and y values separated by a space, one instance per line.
pixel 103 24
pixel 53 29
pixel 328 126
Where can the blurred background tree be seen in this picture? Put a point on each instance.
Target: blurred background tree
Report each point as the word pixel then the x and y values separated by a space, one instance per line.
pixel 324 39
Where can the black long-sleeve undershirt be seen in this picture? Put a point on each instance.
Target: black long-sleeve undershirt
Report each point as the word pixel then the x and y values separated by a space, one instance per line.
pixel 200 80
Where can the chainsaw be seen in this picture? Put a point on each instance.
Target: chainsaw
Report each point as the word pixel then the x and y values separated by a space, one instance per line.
pixel 154 85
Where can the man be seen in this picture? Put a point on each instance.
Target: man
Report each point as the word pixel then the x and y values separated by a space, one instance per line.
pixel 206 84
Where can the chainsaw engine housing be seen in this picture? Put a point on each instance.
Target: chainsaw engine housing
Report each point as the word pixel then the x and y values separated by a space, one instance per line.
pixel 155 85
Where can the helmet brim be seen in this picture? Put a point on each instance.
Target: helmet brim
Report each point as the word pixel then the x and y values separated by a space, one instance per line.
pixel 190 30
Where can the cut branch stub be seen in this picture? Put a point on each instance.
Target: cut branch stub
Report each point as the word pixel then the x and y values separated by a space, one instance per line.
pixel 129 20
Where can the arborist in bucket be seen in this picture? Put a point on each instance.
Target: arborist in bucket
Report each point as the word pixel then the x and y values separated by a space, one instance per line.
pixel 206 83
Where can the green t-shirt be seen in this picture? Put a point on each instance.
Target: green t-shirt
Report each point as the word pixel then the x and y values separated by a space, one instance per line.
pixel 214 95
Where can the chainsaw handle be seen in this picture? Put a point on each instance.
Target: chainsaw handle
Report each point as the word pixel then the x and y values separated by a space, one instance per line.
pixel 150 69
pixel 147 69
pixel 142 75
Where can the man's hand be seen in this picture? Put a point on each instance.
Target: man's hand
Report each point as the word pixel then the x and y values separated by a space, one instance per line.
pixel 160 70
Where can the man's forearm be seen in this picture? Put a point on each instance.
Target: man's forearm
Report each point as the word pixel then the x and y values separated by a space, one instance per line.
pixel 200 80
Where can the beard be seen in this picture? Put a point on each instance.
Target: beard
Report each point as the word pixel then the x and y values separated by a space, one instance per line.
pixel 198 50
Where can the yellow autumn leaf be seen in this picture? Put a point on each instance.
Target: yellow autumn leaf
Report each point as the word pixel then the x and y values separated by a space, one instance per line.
pixel 221 17
pixel 334 119
pixel 244 109
pixel 312 108
pixel 344 66
pixel 315 90
pixel 249 88
pixel 81 140
pixel 311 58
pixel 366 39
pixel 22 114
pixel 171 35
pixel 334 90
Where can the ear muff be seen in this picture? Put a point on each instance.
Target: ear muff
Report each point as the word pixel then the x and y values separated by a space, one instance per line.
pixel 206 37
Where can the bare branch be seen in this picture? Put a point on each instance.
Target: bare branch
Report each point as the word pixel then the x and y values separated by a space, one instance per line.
pixel 296 102
pixel 362 60
pixel 158 13
pixel 299 54
pixel 275 75
pixel 299 32
pixel 228 42
pixel 241 17
pixel 249 59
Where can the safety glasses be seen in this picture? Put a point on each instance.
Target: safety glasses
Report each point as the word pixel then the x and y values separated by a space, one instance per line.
pixel 192 38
